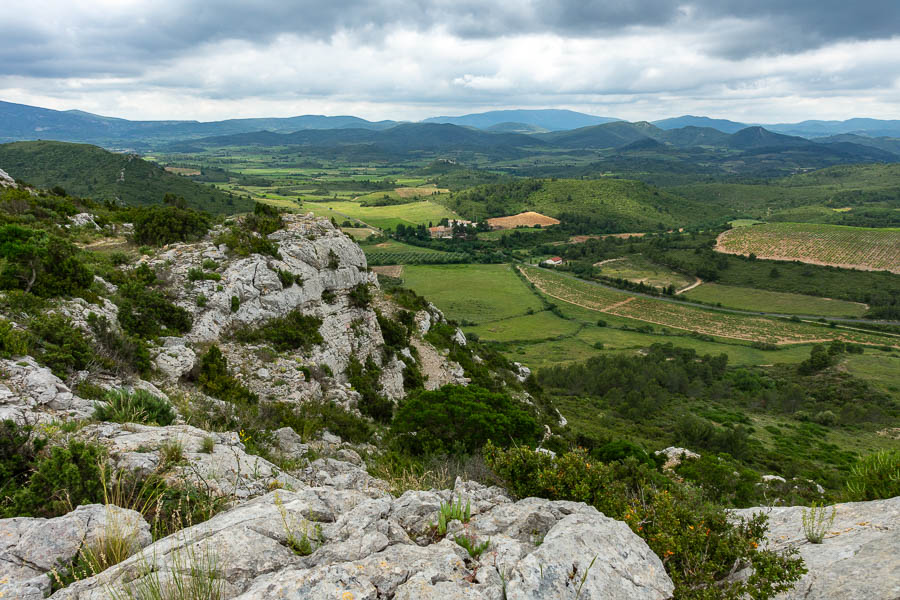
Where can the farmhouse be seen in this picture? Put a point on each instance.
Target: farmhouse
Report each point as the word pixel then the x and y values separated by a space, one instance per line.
pixel 440 232
pixel 554 261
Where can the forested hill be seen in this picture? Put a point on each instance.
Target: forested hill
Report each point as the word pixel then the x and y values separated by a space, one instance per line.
pixel 89 171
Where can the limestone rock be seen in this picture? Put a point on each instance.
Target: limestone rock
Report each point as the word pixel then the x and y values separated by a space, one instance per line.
pixel 30 393
pixel 84 219
pixel 675 455
pixel 857 560
pixel 6 180
pixel 226 471
pixel 174 359
pixel 31 547
pixel 362 549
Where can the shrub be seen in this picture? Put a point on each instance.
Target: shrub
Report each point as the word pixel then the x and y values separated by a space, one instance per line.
pixel 696 541
pixel 147 313
pixel 458 419
pixel 123 352
pixel 288 279
pixel 195 274
pixel 215 380
pixel 41 263
pixel 333 261
pixel 68 477
pixel 161 225
pixel 13 342
pixel 59 345
pixel 329 297
pixel 365 380
pixel 360 296
pixel 294 331
pixel 139 406
pixel 209 264
pixel 235 304
pixel 244 242
pixel 264 220
pixel 875 476
pixel 19 446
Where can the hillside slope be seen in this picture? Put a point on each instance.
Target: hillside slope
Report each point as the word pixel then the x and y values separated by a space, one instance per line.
pixel 89 171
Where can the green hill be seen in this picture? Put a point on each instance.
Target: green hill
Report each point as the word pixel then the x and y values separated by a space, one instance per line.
pixel 625 205
pixel 89 171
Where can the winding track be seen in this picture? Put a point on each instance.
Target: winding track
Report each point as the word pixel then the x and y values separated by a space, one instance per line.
pixel 812 318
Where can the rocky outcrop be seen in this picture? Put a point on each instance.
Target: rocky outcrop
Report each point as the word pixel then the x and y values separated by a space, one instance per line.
pixel 365 544
pixel 313 250
pixel 31 548
pixel 858 558
pixel 6 181
pixel 30 393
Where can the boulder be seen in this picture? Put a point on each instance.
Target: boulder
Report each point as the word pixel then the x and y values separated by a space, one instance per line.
pixel 30 548
pixel 858 557
pixel 30 393
pixel 225 471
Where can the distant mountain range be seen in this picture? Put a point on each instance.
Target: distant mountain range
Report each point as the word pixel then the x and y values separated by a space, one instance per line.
pixel 503 132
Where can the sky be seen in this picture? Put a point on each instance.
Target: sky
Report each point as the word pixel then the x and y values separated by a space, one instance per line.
pixel 764 61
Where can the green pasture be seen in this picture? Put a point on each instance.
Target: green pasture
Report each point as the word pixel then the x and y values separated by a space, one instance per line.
pixel 383 217
pixel 472 293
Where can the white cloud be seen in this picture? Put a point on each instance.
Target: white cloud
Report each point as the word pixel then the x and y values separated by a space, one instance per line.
pixel 409 70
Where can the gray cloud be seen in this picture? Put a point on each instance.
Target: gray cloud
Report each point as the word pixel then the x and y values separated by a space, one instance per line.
pixel 121 39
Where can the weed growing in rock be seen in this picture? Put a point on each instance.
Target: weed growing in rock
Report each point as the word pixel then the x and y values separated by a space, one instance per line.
pixel 195 274
pixel 298 533
pixel 171 453
pixel 207 445
pixel 192 573
pixel 472 545
pixel 816 522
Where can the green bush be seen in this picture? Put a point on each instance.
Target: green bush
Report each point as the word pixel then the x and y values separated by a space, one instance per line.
pixel 264 220
pixel 294 331
pixel 365 380
pixel 245 243
pixel 161 225
pixel 122 352
pixel 215 379
pixel 697 542
pixel 875 476
pixel 235 304
pixel 19 446
pixel 59 345
pixel 329 297
pixel 13 342
pixel 41 263
pixel 195 274
pixel 459 420
pixel 360 296
pixel 147 313
pixel 288 279
pixel 139 406
pixel 70 476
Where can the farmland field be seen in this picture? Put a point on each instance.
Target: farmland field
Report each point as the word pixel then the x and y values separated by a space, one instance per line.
pixel 778 302
pixel 678 316
pixel 863 248
pixel 398 253
pixel 525 219
pixel 637 269
pixel 474 293
pixel 383 217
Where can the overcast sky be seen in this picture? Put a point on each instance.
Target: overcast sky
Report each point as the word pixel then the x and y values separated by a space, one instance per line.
pixel 748 60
